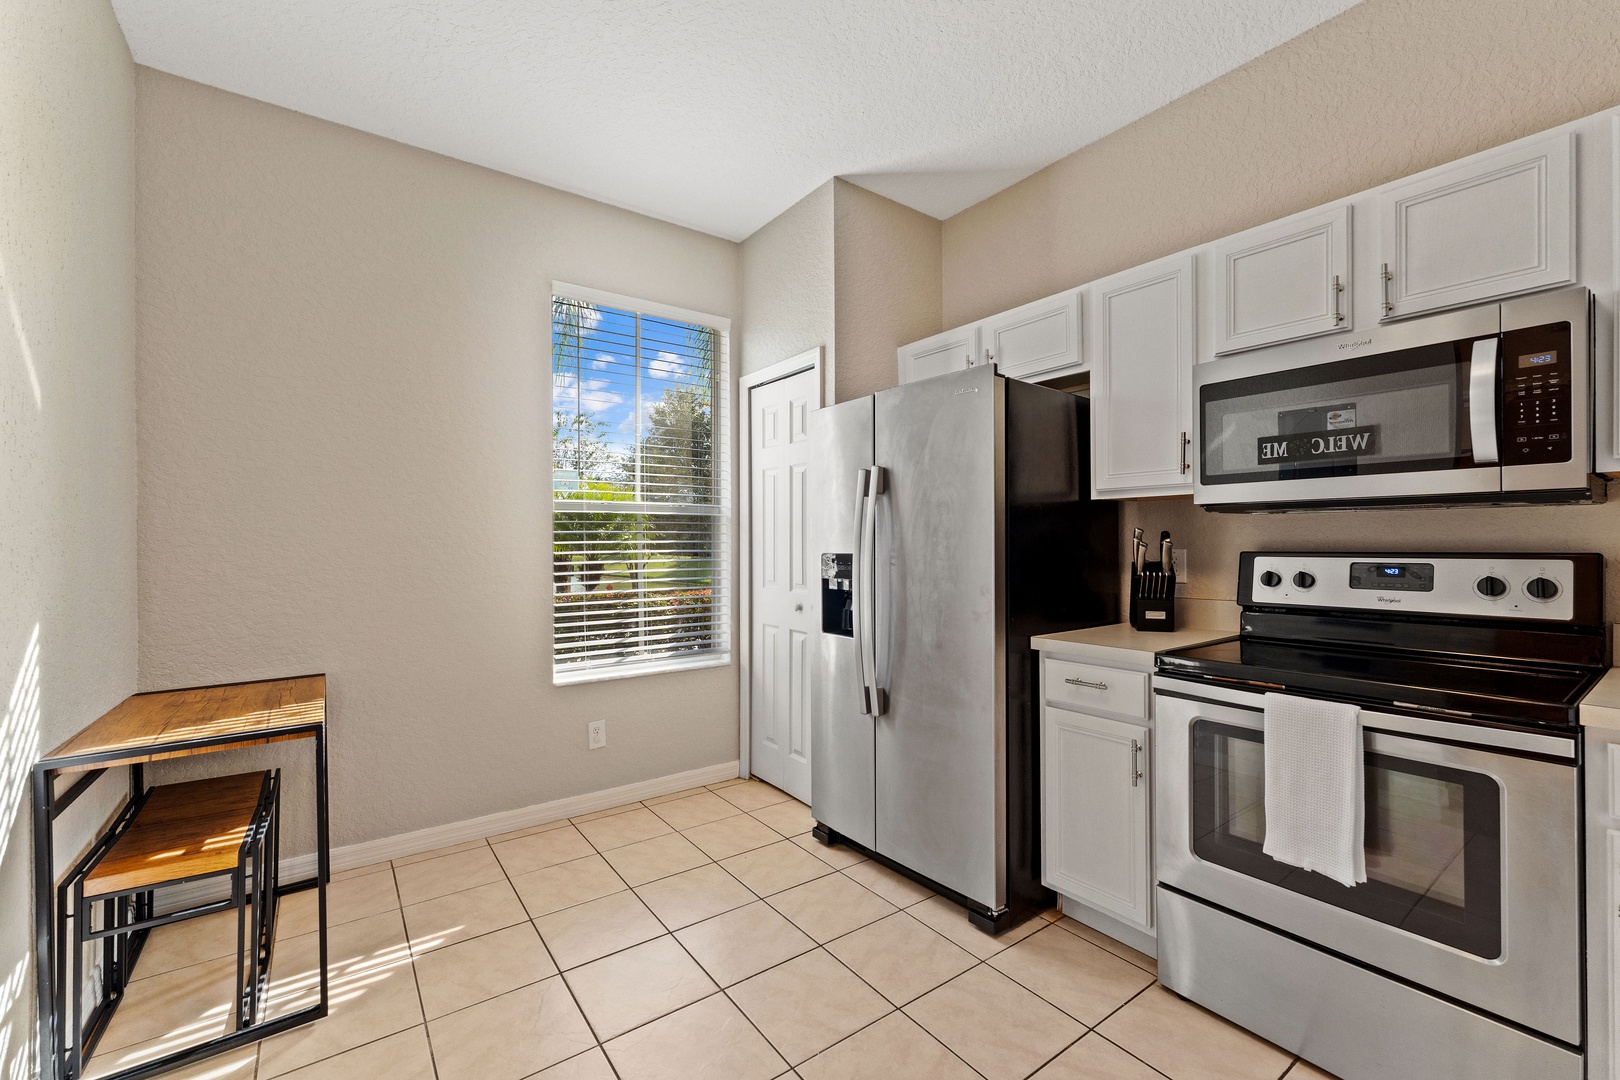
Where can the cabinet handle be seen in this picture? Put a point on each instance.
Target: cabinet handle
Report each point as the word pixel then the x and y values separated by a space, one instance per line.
pixel 1185 443
pixel 1388 277
pixel 1338 291
pixel 1136 767
pixel 1082 682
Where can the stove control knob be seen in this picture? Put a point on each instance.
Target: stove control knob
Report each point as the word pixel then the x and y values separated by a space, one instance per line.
pixel 1271 579
pixel 1304 580
pixel 1491 587
pixel 1541 588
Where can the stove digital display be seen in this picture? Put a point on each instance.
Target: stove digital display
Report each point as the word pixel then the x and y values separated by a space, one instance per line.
pixel 1405 577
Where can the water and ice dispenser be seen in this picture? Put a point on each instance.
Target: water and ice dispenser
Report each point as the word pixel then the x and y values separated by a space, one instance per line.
pixel 837 597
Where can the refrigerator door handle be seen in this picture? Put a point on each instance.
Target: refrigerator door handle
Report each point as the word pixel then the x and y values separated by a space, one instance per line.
pixel 878 622
pixel 861 625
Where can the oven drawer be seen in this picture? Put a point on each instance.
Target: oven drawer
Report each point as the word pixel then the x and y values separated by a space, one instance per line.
pixel 1085 686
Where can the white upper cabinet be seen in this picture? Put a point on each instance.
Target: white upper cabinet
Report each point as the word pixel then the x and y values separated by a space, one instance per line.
pixel 1284 281
pixel 1494 225
pixel 951 351
pixel 1037 340
pixel 1141 380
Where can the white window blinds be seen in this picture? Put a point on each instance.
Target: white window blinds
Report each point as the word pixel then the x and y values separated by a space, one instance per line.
pixel 639 501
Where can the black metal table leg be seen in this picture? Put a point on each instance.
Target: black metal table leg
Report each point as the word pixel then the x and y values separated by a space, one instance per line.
pixel 44 915
pixel 323 853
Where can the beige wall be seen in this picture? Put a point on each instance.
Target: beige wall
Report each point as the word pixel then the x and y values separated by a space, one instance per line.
pixel 787 285
pixel 67 428
pixel 846 269
pixel 887 286
pixel 1387 89
pixel 344 399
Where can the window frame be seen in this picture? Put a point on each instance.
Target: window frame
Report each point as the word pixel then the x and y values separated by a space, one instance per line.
pixel 725 576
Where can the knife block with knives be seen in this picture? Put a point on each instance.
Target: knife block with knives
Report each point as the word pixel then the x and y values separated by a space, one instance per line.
pixel 1153 585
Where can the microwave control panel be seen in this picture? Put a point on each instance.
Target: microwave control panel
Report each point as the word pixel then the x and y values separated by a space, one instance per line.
pixel 1536 402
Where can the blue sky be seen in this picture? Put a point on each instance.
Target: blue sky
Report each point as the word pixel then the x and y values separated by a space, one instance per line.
pixel 606 386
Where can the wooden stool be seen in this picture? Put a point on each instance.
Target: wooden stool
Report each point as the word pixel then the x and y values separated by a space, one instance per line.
pixel 177 834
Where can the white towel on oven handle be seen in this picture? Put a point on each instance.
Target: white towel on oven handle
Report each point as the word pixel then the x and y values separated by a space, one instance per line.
pixel 1316 787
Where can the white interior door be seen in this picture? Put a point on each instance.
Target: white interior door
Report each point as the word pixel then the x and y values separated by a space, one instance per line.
pixel 785 582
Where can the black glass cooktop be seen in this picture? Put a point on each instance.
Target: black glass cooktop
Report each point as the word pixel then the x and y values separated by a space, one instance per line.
pixel 1489 691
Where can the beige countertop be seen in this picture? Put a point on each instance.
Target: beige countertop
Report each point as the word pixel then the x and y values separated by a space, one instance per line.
pixel 1120 645
pixel 1601 707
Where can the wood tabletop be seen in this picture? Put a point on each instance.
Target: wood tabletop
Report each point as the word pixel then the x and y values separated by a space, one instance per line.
pixel 184 831
pixel 197 720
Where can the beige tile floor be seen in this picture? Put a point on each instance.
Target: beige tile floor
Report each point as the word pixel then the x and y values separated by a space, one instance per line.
pixel 699 935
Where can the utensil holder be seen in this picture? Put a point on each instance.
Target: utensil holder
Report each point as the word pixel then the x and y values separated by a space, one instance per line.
pixel 1153 598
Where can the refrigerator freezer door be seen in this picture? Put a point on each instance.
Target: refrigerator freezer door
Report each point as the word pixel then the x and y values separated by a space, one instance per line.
pixel 841 738
pixel 941 746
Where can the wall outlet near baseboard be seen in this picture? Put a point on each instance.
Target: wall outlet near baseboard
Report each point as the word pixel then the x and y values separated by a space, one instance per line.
pixel 597 731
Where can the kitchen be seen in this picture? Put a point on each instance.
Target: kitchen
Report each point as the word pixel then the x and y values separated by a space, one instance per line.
pixel 554 869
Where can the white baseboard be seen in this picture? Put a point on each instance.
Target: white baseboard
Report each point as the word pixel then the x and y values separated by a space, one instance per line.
pixel 297 867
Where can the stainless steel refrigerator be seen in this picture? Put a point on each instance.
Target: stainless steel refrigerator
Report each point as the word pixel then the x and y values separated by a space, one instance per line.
pixel 953 520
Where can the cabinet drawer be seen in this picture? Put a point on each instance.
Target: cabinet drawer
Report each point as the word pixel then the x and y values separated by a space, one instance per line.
pixel 1088 687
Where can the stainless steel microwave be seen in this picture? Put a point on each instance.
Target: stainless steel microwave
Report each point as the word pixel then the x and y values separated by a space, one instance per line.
pixel 1491 404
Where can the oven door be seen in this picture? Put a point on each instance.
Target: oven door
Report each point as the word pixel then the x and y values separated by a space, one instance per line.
pixel 1413 415
pixel 1473 869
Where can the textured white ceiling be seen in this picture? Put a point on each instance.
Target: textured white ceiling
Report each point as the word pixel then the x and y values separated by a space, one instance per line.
pixel 720 114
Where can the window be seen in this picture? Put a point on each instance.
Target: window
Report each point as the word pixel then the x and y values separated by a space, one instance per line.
pixel 640 526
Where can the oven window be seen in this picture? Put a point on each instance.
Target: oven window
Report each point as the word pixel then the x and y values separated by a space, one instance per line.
pixel 1434 843
pixel 1405 411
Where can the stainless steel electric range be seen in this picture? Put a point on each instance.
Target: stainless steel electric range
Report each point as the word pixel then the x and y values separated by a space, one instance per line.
pixel 1461 956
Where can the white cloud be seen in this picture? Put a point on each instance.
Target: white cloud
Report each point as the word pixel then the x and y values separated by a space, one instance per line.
pixel 666 363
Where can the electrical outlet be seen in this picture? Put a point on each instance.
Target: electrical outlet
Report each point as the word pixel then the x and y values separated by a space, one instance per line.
pixel 1178 560
pixel 597 730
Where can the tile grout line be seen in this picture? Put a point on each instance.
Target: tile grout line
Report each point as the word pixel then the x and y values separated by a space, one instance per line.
pixel 258 1056
pixel 427 1032
pixel 894 1008
pixel 822 946
pixel 552 957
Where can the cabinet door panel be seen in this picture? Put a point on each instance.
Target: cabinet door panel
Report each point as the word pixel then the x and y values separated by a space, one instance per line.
pixel 953 350
pixel 1142 380
pixel 1096 844
pixel 1284 282
pixel 1035 339
pixel 1493 226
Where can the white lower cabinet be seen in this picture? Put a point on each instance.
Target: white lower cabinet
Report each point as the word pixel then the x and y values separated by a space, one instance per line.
pixel 1096 841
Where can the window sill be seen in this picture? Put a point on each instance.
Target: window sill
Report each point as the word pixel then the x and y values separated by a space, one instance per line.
pixel 638 668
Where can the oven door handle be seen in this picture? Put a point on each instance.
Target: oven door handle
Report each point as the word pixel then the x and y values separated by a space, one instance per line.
pixel 1482 398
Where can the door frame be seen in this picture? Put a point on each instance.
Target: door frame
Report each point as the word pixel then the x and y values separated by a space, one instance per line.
pixel 809 360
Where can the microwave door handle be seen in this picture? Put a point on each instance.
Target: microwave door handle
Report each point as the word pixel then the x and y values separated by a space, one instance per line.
pixel 858 579
pixel 1482 395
